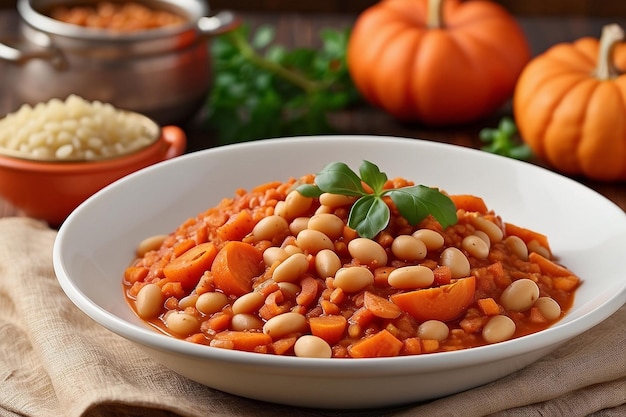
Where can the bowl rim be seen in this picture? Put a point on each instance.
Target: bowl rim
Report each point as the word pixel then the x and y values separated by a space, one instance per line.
pixel 402 365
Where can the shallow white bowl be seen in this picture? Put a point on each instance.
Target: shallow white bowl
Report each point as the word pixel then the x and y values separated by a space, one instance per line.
pixel 587 232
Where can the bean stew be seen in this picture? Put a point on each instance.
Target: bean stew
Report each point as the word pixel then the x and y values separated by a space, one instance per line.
pixel 273 271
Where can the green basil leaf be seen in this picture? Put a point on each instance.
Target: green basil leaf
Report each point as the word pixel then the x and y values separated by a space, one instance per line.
pixel 369 215
pixel 338 178
pixel 417 202
pixel 372 176
pixel 309 190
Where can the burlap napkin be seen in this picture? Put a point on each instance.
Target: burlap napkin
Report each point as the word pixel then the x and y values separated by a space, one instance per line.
pixel 55 361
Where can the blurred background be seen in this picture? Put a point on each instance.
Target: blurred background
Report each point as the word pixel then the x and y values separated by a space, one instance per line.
pixel 545 7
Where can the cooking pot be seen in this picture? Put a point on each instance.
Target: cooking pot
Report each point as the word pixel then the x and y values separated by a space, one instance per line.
pixel 164 73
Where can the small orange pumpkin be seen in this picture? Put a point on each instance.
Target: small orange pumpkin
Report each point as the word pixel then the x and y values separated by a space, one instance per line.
pixel 439 62
pixel 570 106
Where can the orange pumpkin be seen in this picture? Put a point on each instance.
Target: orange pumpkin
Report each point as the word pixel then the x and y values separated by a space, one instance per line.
pixel 439 62
pixel 570 106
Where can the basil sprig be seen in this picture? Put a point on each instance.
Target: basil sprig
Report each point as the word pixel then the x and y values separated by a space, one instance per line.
pixel 370 214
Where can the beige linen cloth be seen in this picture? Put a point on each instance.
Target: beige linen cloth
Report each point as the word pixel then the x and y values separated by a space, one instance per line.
pixel 55 361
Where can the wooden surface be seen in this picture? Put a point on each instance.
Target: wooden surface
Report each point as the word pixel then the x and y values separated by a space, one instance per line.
pixel 301 29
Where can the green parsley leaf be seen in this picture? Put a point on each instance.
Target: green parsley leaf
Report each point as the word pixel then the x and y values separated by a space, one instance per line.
pixel 370 214
pixel 309 190
pixel 338 178
pixel 372 176
pixel 417 202
pixel 502 141
pixel 263 90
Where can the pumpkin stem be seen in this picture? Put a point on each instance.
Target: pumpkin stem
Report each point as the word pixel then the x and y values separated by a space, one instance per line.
pixel 611 35
pixel 434 18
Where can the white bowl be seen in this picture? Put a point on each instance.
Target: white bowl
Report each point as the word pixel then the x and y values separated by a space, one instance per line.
pixel 587 232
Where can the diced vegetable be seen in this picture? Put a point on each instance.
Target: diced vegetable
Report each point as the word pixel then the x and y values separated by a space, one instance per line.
pixel 190 265
pixel 439 303
pixel 234 267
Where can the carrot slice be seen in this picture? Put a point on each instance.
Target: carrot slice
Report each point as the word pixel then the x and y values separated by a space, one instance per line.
pixel 488 306
pixel 439 303
pixel 568 283
pixel 133 274
pixel 527 235
pixel 309 290
pixel 329 328
pixel 190 265
pixel 443 275
pixel 469 203
pixel 237 227
pixel 266 186
pixel 549 267
pixel 234 267
pixel 284 345
pixel 430 345
pixel 380 307
pixel 220 321
pixel 381 344
pixel 242 340
pixel 412 346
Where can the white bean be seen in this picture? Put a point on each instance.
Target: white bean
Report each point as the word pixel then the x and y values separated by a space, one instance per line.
pixel 183 324
pixel 491 229
pixel 324 210
pixel 456 260
pixel 498 329
pixel 149 301
pixel 269 227
pixel 535 246
pixel 517 246
pixel 475 246
pixel 289 289
pixel 285 324
pixel 248 303
pixel 310 346
pixel 408 248
pixel 548 308
pixel 298 224
pixel 327 223
pixel 211 302
pixel 411 277
pixel 327 263
pixel 432 239
pixel 335 200
pixel 244 321
pixel 296 205
pixel 149 244
pixel 433 329
pixel 188 301
pixel 291 269
pixel 292 250
pixel 520 295
pixel 353 279
pixel 313 241
pixel 273 254
pixel 483 236
pixel 367 252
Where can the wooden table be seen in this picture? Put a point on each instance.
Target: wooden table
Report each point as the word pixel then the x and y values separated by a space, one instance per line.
pixel 302 29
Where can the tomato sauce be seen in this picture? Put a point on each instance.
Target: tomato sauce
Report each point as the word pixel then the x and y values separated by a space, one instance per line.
pixel 352 309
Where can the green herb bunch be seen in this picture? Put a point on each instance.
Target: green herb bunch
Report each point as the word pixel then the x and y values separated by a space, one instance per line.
pixel 502 140
pixel 370 214
pixel 263 90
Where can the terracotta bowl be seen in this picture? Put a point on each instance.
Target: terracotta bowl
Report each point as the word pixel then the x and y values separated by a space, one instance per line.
pixel 50 191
